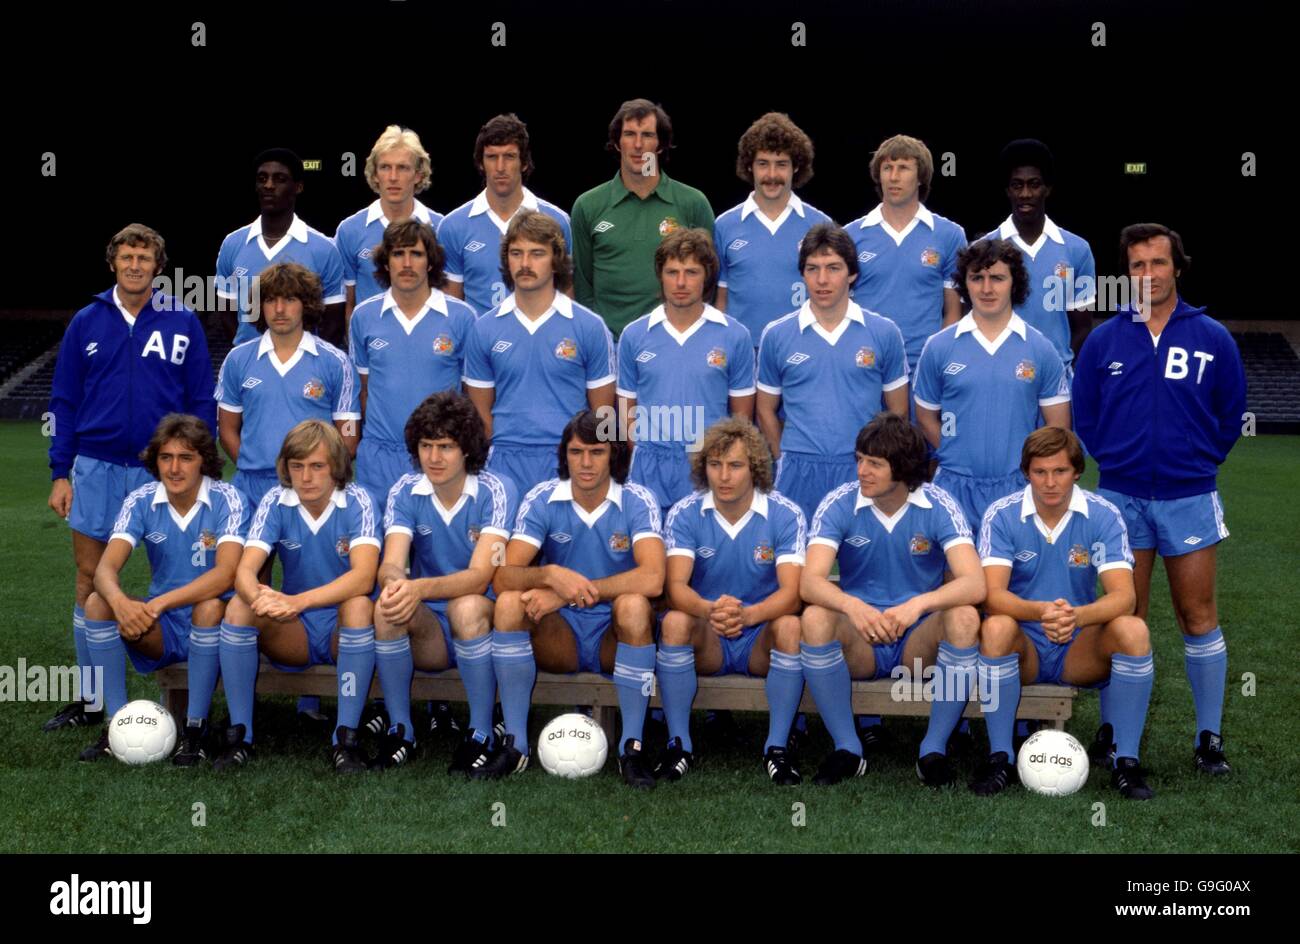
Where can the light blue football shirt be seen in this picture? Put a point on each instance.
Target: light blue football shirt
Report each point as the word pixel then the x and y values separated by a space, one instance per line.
pixel 182 548
pixel 313 551
pixel 470 236
pixel 988 393
pixel 244 254
pixel 317 382
pixel 887 560
pixel 1060 563
pixel 1062 278
pixel 443 539
pixel 684 377
pixel 759 260
pixel 902 275
pixel 541 370
pixel 405 359
pixel 359 235
pixel 738 559
pixel 830 383
pixel 596 544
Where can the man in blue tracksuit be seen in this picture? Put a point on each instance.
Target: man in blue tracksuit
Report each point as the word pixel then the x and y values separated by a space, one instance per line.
pixel 1159 399
pixel 128 358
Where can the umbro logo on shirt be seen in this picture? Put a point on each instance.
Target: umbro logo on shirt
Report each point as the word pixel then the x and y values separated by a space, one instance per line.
pixel 500 347
pixel 474 246
pixel 378 344
pixel 251 382
pixel 241 271
pixel 797 358
pixel 953 369
pixel 706 552
pixel 1116 368
pixel 866 255
pixel 424 529
pixel 559 537
pixel 738 244
pixel 155 537
pixel 1193 541
pixel 92 347
pixel 603 226
pixel 857 540
pixel 290 545
pixel 1026 556
pixel 364 253
pixel 645 357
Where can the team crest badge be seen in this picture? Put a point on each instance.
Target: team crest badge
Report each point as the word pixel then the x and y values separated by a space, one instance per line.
pixel 919 544
pixel 567 349
pixel 1025 371
pixel 1078 556
pixel 207 540
pixel 763 554
pixel 313 389
pixel 341 548
pixel 668 225
pixel 619 542
pixel 716 358
pixel 443 345
pixel 1062 271
pixel 865 357
pixel 930 257
pixel 473 535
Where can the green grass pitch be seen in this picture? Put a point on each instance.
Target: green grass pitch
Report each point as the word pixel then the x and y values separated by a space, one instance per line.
pixel 289 800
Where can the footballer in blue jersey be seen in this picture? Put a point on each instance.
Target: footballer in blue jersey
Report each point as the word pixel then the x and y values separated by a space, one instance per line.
pixel 397 168
pixel 537 358
pixel 471 233
pixel 907 254
pixel 893 535
pixel 325 531
pixel 192 527
pixel 982 384
pixel 1161 393
pixel 735 554
pixel 1062 272
pixel 449 523
pixel 681 368
pixel 277 235
pixel 268 385
pixel 127 359
pixel 1044 548
pixel 758 241
pixel 405 344
pixel 587 607
pixel 831 366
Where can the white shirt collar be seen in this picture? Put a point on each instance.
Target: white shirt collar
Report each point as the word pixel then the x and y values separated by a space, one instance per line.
pixel 160 493
pixel 915 497
pixel 425 487
pixel 562 304
pixel 751 206
pixel 967 324
pixel 757 504
pixel 376 212
pixel 877 216
pixel 117 300
pixel 480 204
pixel 290 499
pixel 297 229
pixel 806 316
pixel 564 492
pixel 435 302
pixel 659 316
pixel 1008 231
pixel 306 343
pixel 1077 503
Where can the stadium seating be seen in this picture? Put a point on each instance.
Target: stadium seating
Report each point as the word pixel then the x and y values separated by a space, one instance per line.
pixel 1272 380
pixel 1051 703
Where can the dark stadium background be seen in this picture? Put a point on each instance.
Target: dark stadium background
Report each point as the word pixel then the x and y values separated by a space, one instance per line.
pixel 148 128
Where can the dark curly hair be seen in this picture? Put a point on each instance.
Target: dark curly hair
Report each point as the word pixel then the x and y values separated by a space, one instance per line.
pixel 775 132
pixel 586 427
pixel 892 438
pixel 405 233
pixel 985 253
pixel 450 415
pixel 190 430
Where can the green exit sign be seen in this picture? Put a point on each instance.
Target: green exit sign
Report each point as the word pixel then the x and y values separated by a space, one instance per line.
pixel 315 165
pixel 1136 168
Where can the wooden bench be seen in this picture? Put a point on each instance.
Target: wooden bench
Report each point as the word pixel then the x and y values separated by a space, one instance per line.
pixel 1051 703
